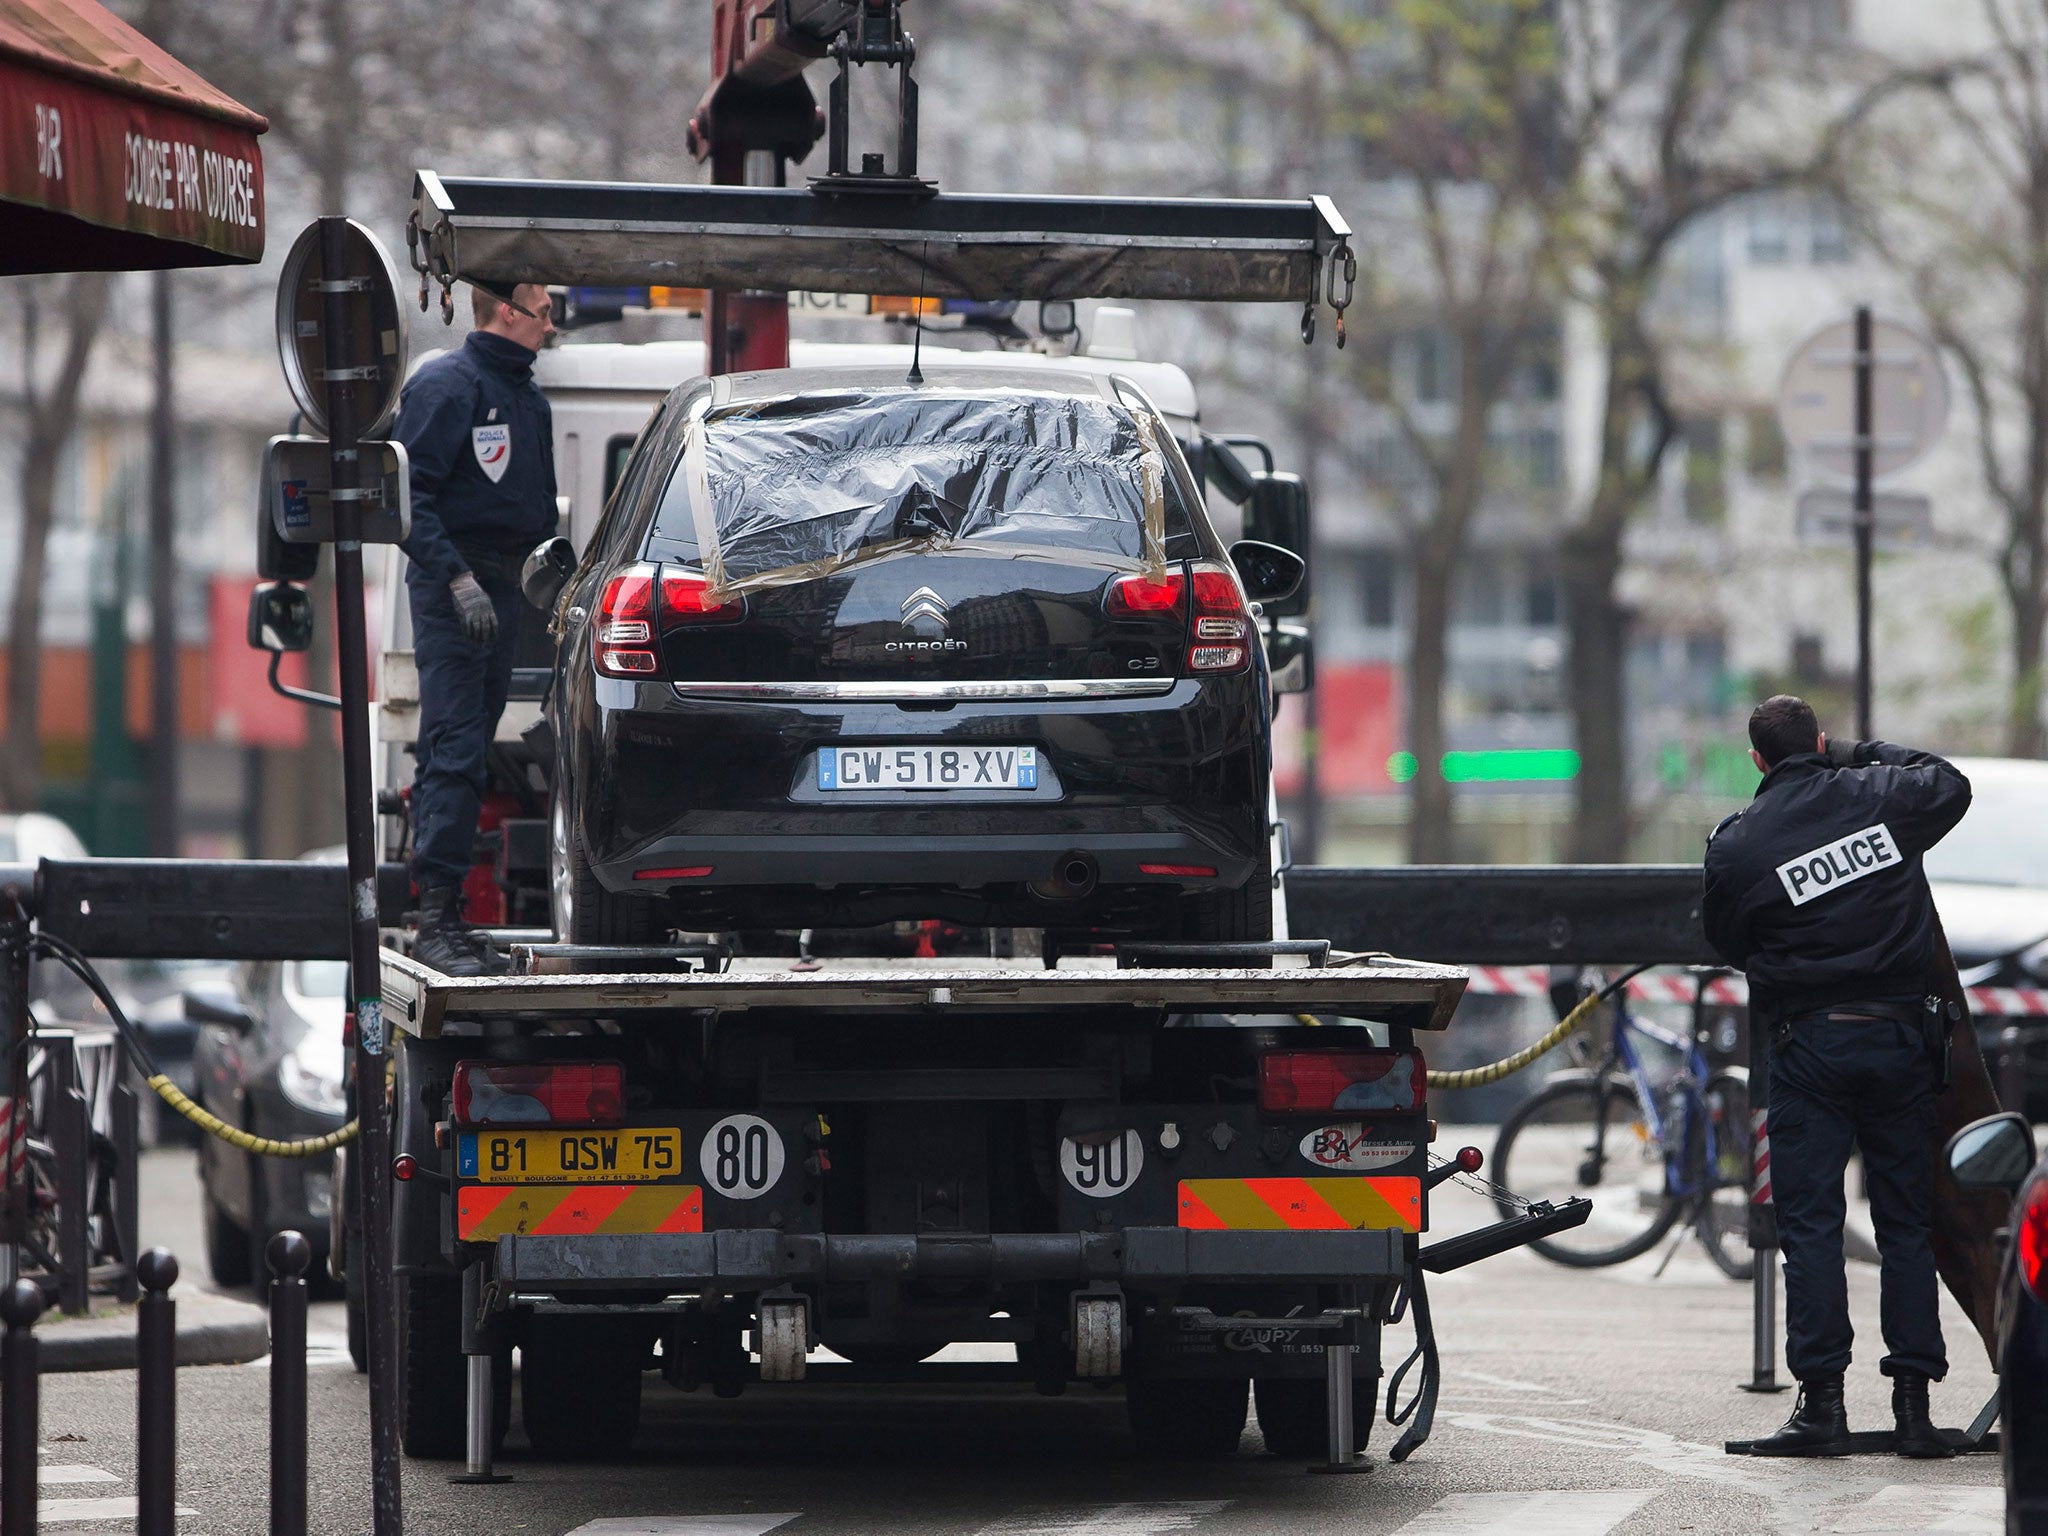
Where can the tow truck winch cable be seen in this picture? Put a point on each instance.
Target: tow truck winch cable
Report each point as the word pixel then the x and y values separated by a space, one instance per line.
pixel 1493 1072
pixel 57 949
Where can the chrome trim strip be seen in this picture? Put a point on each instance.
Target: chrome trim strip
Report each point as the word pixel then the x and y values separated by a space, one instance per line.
pixel 921 689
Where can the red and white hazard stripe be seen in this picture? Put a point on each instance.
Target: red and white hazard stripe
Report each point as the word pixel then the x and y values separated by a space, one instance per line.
pixel 1726 991
pixel 1760 1191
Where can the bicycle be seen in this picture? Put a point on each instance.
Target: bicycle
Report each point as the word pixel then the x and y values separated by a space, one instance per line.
pixel 1647 1154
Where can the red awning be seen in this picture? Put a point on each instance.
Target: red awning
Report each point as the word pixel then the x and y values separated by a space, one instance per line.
pixel 113 155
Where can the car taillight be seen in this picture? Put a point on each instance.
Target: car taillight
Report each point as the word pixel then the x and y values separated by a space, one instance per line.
pixel 1221 637
pixel 1143 594
pixel 1297 1082
pixel 687 598
pixel 2030 1235
pixel 622 639
pixel 531 1093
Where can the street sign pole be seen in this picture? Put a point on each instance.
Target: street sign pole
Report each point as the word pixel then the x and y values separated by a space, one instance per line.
pixel 1866 517
pixel 350 347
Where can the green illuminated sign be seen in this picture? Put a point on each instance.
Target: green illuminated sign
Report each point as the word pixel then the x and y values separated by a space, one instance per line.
pixel 1507 766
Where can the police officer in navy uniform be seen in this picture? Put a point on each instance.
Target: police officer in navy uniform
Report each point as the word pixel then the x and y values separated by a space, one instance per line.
pixel 1816 891
pixel 481 440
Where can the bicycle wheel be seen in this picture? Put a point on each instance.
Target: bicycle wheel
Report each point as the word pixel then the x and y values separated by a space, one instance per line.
pixel 1588 1137
pixel 1722 1213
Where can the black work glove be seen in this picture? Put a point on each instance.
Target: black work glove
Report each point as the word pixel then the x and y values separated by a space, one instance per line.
pixel 474 607
pixel 1843 754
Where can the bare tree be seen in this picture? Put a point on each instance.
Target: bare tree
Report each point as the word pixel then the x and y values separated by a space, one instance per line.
pixel 52 410
pixel 1954 172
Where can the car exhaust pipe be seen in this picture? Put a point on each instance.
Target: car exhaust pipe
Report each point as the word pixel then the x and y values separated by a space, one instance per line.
pixel 1074 875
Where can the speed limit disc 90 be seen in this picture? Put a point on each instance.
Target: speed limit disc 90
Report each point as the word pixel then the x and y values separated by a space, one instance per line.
pixel 1103 1168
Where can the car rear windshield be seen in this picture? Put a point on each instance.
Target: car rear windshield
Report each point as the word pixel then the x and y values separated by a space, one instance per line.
pixel 790 489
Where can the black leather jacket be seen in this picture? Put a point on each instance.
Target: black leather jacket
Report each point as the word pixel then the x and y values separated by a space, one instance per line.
pixel 1816 891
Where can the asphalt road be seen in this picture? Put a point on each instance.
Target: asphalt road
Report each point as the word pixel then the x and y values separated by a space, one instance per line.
pixel 1574 1403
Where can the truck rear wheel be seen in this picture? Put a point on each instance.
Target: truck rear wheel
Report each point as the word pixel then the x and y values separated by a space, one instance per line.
pixel 1197 1419
pixel 579 1387
pixel 1294 1414
pixel 433 1380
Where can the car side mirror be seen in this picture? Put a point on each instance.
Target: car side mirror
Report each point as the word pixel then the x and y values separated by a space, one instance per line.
pixel 212 1005
pixel 280 618
pixel 1291 654
pixel 1996 1152
pixel 546 572
pixel 1270 574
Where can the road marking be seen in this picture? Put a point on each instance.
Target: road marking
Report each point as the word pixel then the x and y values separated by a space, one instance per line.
pixel 1579 1512
pixel 48 1476
pixel 1645 1447
pixel 73 1511
pixel 1110 1519
pixel 1922 1507
pixel 684 1525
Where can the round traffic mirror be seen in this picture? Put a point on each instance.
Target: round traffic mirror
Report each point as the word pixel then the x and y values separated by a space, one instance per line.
pixel 372 353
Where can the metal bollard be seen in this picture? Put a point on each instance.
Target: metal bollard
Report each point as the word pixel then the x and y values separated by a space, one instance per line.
pixel 156 1416
pixel 1763 1223
pixel 288 1254
pixel 20 1305
pixel 70 1122
pixel 2012 1067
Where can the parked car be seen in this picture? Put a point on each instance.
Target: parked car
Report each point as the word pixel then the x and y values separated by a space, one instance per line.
pixel 270 1060
pixel 845 650
pixel 1990 881
pixel 1997 1153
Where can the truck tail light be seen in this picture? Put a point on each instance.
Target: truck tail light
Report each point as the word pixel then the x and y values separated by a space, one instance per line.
pixel 1144 594
pixel 1221 640
pixel 622 639
pixel 536 1093
pixel 2030 1235
pixel 687 598
pixel 1311 1082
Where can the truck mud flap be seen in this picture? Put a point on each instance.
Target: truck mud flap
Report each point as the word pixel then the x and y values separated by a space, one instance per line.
pixel 1540 1220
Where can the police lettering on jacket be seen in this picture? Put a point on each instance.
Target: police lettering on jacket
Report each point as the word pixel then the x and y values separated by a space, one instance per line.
pixel 481 439
pixel 1816 888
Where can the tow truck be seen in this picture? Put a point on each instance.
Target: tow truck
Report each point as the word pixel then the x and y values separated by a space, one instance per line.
pixel 1191 1169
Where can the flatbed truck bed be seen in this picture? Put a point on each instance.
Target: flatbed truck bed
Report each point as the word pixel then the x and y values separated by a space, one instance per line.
pixel 1192 1178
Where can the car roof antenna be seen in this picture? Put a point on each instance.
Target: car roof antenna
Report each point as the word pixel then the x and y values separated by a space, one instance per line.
pixel 917 319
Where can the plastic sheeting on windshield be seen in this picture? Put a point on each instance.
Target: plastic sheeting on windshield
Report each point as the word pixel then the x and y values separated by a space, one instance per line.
pixel 790 490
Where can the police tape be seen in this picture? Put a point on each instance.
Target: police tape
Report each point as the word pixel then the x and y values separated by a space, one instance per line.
pixel 1726 991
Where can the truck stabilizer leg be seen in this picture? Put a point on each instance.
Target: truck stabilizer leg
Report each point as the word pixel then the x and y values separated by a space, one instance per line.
pixel 480 1400
pixel 1341 1406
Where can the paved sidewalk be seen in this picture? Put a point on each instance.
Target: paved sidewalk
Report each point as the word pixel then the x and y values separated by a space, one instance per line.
pixel 212 1330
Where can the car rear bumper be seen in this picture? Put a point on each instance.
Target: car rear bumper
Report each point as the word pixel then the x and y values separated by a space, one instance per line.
pixel 760 1259
pixel 668 783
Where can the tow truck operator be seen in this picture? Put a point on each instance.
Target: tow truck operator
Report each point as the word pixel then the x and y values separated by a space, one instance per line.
pixel 481 439
pixel 1816 891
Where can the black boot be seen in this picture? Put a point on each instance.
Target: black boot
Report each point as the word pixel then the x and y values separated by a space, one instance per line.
pixel 448 943
pixel 1819 1425
pixel 1913 1432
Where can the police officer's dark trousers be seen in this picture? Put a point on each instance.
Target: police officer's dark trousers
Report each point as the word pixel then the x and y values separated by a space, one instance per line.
pixel 1871 1083
pixel 462 694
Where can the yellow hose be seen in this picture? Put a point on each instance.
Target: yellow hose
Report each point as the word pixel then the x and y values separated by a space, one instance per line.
pixel 1493 1072
pixel 234 1136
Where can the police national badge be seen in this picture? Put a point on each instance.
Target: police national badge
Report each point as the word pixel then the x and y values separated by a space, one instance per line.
pixel 493 447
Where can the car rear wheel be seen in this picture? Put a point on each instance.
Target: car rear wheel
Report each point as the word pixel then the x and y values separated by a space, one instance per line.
pixel 1241 915
pixel 584 911
pixel 228 1250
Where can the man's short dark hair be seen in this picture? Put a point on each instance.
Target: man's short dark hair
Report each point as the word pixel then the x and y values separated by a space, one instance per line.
pixel 1782 726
